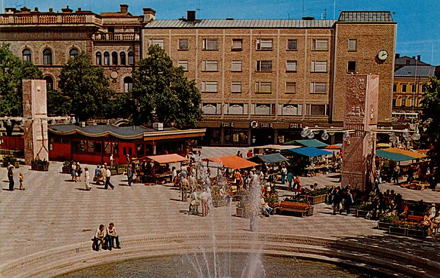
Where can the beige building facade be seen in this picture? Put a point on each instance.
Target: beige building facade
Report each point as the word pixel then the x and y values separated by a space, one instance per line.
pixel 261 80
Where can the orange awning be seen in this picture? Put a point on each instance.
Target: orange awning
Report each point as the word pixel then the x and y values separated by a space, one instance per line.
pixel 167 158
pixel 233 162
pixel 333 147
pixel 414 154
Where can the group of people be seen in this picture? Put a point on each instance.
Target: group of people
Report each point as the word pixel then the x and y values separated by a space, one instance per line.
pixel 106 237
pixel 11 178
pixel 341 199
pixel 102 174
pixel 431 220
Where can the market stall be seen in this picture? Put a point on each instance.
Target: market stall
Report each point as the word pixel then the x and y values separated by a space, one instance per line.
pixel 307 143
pixel 271 148
pixel 161 171
pixel 309 160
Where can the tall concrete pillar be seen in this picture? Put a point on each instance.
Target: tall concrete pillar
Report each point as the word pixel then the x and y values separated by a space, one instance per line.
pixel 360 118
pixel 36 141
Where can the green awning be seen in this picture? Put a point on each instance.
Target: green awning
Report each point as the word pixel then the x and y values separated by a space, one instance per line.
pixel 269 158
pixel 393 156
pixel 308 143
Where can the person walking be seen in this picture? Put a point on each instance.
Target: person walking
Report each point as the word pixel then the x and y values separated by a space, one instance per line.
pixel 348 201
pixel 78 171
pixel 74 171
pixel 87 178
pixel 11 176
pixel 337 199
pixel 112 236
pixel 204 197
pixel 130 175
pixel 103 174
pixel 396 173
pixel 283 174
pixel 111 160
pixel 108 174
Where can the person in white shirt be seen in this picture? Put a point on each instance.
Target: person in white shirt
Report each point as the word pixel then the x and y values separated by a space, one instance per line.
pixel 100 236
pixel 112 236
pixel 87 178
pixel 205 196
pixel 108 174
pixel 194 203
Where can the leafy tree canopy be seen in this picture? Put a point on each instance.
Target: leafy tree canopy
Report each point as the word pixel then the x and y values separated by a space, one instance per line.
pixel 12 73
pixel 86 86
pixel 162 91
pixel 57 104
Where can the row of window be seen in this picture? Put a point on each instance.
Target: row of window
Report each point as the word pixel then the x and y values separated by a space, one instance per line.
pixel 115 59
pixel 261 44
pixel 47 55
pixel 264 109
pixel 408 101
pixel 261 66
pixel 263 87
pixel 404 88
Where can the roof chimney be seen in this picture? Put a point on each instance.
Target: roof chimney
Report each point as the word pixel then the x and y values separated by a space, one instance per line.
pixel 191 15
pixel 397 55
pixel 51 10
pixel 149 14
pixel 66 10
pixel 418 58
pixel 124 8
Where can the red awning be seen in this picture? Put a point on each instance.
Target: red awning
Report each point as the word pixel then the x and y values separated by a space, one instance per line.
pixel 167 158
pixel 233 162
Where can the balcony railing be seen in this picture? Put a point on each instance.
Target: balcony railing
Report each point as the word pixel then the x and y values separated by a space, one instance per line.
pixel 116 37
pixel 49 19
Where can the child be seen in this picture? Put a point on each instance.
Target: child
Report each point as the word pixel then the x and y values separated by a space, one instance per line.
pixel 21 181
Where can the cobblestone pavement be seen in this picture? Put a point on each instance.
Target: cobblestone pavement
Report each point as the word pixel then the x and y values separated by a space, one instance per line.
pixel 53 211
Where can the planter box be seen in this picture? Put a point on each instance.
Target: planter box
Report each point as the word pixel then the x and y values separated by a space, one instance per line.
pixel 67 169
pixel 17 164
pixel 397 231
pixel 219 203
pixel 33 166
pixel 353 211
pixel 361 213
pixel 240 212
pixel 313 200
pixel 416 233
pixel 121 170
pixel 383 225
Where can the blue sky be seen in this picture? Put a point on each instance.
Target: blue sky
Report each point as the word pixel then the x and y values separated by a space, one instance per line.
pixel 418 28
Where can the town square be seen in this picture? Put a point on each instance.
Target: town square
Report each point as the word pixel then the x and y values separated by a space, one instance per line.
pixel 298 142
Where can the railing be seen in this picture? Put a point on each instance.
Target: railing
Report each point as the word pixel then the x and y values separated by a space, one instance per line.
pixel 25 19
pixel 117 37
pixel 74 19
pixel 48 19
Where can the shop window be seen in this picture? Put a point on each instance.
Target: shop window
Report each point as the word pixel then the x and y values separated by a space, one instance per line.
pixel 27 55
pixel 91 147
pixel 106 58
pixel 183 44
pixel 98 147
pixel 236 136
pixel 215 136
pixel 123 58
pixel 98 58
pixel 210 44
pixel 292 44
pixel 128 84
pixel 47 57
pixel 73 53
pixel 264 44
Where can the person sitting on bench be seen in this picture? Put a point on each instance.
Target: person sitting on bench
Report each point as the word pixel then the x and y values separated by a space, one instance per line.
pixel 100 236
pixel 112 235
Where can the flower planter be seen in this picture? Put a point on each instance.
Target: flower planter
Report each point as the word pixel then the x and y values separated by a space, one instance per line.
pixel 383 225
pixel 67 169
pixel 397 231
pixel 33 166
pixel 361 213
pixel 416 233
pixel 219 203
pixel 313 200
pixel 121 170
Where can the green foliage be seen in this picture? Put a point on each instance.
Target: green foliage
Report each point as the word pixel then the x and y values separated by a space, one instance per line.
pixel 388 218
pixel 12 73
pixel 57 104
pixel 86 86
pixel 9 158
pixel 163 90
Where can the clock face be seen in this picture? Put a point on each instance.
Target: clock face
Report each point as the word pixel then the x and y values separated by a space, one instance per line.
pixel 382 55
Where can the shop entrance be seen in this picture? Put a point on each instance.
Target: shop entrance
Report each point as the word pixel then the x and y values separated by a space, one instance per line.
pixel 262 137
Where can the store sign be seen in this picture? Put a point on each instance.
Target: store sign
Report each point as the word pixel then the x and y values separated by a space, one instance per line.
pixel 266 125
pixel 295 126
pixel 227 125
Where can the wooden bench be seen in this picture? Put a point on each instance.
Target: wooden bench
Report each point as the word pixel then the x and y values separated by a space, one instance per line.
pixel 304 209
pixel 414 218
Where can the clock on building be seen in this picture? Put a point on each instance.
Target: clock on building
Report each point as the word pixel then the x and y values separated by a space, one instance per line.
pixel 382 55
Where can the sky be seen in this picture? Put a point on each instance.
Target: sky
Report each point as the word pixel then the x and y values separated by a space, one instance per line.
pixel 418 21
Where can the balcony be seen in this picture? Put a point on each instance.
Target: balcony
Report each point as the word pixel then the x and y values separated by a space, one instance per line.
pixel 11 19
pixel 116 37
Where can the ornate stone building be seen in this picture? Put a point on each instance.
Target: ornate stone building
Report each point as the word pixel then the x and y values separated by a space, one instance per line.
pixel 261 80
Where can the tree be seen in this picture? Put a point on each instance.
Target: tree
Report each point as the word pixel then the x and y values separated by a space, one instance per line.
pixel 12 73
pixel 431 108
pixel 57 104
pixel 86 86
pixel 162 91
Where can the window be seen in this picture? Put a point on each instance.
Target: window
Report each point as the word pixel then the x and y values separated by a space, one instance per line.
pixel 209 65
pixel 183 44
pixel 210 44
pixel 290 87
pixel 414 88
pixel 27 55
pixel 291 66
pixel 184 64
pixel 291 109
pixel 73 53
pixel 123 58
pixel 264 66
pixel 128 84
pixel 210 108
pixel 209 86
pixel 236 109
pixel 319 66
pixel 317 110
pixel 47 57
pixel 394 102
pixel 130 58
pixel 351 66
pixel 263 87
pixel 264 44
pixel 114 58
pixel 237 44
pixel 236 66
pixel 158 42
pixel 394 87
pixel 49 83
pixel 352 45
pixel 263 109
pixel 292 44
pixel 403 88
pixel 106 58
pixel 319 44
pixel 236 87
pixel 318 87
pixel 98 58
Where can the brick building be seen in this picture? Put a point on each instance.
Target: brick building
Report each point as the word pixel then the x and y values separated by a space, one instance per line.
pixel 261 80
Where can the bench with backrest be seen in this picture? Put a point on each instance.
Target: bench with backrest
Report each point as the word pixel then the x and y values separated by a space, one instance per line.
pixel 304 209
pixel 414 218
